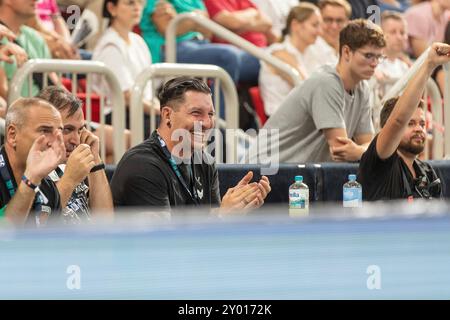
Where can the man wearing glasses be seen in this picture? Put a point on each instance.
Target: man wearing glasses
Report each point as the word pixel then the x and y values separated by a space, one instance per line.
pixel 335 16
pixel 328 117
pixel 389 169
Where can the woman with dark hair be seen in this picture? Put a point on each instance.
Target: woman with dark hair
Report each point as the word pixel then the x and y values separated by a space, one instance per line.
pixel 123 51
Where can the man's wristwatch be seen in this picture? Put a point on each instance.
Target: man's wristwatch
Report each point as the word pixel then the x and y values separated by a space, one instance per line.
pixel 98 167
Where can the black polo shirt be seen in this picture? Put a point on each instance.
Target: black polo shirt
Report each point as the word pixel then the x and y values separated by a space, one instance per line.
pixel 144 177
pixel 50 212
pixel 384 179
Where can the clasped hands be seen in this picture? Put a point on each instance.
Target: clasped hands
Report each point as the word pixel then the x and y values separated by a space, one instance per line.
pixel 245 195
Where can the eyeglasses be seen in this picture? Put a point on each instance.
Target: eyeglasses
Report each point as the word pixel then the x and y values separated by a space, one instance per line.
pixel 339 22
pixel 372 56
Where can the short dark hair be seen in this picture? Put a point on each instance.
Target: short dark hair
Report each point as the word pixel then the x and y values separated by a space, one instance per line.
pixel 359 33
pixel 106 13
pixel 61 99
pixel 389 106
pixel 172 92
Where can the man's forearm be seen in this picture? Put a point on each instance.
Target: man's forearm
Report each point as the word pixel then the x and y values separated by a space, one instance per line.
pixel 19 207
pixel 410 98
pixel 100 197
pixel 363 148
pixel 261 24
pixel 238 21
pixel 65 187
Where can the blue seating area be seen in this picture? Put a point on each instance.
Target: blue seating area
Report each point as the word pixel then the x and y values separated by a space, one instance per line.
pixel 325 180
pixel 230 174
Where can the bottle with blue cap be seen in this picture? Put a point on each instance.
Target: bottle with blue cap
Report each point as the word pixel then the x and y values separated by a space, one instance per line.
pixel 298 198
pixel 352 193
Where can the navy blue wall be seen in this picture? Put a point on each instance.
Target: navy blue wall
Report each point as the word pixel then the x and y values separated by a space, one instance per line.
pixel 325 180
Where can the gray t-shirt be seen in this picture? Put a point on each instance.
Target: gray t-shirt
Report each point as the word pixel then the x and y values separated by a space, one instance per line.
pixel 321 102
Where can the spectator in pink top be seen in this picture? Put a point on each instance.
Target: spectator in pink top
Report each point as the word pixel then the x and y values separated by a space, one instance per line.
pixel 50 17
pixel 243 18
pixel 52 27
pixel 426 24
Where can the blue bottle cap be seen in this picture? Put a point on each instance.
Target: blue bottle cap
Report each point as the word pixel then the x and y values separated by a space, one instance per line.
pixel 352 177
pixel 298 178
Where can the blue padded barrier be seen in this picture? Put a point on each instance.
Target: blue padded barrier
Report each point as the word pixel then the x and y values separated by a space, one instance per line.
pixel 333 176
pixel 324 180
pixel 231 174
pixel 109 170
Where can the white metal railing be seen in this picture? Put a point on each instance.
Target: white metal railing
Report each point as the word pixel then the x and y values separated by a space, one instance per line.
pixel 218 30
pixel 76 67
pixel 222 80
pixel 432 91
pixel 447 110
pixel 441 143
pixel 2 127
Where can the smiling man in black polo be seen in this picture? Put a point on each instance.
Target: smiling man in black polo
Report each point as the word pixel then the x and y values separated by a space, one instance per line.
pixel 164 173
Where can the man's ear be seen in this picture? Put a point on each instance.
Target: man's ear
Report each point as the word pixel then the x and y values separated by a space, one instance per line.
pixel 166 113
pixel 346 51
pixel 11 135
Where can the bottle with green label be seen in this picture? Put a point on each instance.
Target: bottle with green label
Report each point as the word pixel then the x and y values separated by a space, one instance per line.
pixel 298 198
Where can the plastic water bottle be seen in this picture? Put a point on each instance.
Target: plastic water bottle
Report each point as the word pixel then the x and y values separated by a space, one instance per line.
pixel 298 198
pixel 352 193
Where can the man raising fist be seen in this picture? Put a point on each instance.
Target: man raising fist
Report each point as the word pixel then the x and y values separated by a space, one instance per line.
pixel 390 169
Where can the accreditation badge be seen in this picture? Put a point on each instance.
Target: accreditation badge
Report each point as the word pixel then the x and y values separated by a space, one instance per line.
pixel 43 215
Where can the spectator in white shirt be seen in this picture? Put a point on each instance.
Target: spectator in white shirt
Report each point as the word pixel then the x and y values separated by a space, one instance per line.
pixel 125 52
pixel 335 16
pixel 302 29
pixel 277 11
pixel 396 63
